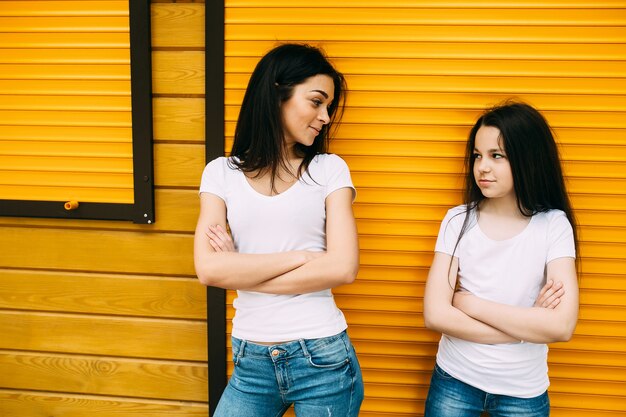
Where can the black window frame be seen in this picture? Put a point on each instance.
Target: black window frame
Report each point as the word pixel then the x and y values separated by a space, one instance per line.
pixel 142 210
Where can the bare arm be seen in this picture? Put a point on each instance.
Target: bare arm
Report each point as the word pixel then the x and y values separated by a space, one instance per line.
pixel 337 266
pixel 532 324
pixel 232 270
pixel 442 316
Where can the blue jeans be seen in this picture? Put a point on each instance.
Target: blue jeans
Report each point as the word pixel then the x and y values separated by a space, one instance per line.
pixel 320 377
pixel 449 397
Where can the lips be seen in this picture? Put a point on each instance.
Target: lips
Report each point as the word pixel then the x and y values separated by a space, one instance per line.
pixel 316 129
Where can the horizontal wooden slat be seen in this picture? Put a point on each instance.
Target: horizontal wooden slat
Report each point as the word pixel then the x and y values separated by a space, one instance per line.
pixel 64 8
pixel 104 376
pixel 66 118
pixel 178 72
pixel 66 179
pixel 426 16
pixel 71 24
pixel 467 84
pixel 15 403
pixel 474 101
pixel 177 25
pixel 444 50
pixel 579 119
pixel 425 33
pixel 66 103
pixel 62 87
pixel 80 194
pixel 78 250
pixel 179 119
pixel 462 67
pixel 100 56
pixel 64 72
pixel 565 4
pixel 75 134
pixel 104 335
pixel 179 165
pixel 128 295
pixel 86 39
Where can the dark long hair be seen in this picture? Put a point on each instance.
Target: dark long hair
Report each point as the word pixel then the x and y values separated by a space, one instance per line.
pixel 529 144
pixel 259 143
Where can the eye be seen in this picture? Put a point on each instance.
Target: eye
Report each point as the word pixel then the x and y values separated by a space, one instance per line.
pixel 476 156
pixel 316 102
pixel 497 156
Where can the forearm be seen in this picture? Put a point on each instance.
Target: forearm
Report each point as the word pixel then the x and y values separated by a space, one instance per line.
pixel 453 322
pixel 232 270
pixel 531 324
pixel 328 271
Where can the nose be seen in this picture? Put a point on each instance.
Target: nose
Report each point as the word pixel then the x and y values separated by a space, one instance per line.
pixel 323 115
pixel 483 165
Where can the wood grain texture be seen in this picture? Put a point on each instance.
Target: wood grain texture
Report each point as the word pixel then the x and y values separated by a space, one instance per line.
pixel 104 335
pixel 104 376
pixel 119 295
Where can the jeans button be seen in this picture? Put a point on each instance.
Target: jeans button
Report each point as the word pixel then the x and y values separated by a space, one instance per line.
pixel 275 352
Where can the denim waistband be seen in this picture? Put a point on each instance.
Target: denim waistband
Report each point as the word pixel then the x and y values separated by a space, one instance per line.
pixel 300 347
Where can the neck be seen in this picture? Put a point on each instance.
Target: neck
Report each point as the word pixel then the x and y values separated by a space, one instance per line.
pixel 501 206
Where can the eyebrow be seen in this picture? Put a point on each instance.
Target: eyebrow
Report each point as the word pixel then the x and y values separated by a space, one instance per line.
pixel 322 92
pixel 491 150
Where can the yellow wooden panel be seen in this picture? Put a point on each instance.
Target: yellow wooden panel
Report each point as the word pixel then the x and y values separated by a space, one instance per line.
pixel 64 8
pixel 461 67
pixel 67 178
pixel 100 56
pixel 64 40
pixel 312 32
pixel 178 72
pixel 33 403
pixel 426 16
pixel 66 118
pixel 467 84
pixel 486 4
pixel 493 50
pixel 177 25
pixel 180 119
pixel 61 87
pixel 64 164
pixel 82 250
pixel 129 295
pixel 65 72
pixel 104 376
pixel 49 102
pixel 104 335
pixel 476 101
pixel 53 148
pixel 73 24
pixel 80 194
pixel 42 134
pixel 179 165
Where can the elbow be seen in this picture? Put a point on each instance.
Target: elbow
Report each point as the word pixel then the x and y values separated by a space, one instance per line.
pixel 209 277
pixel 349 273
pixel 430 321
pixel 565 334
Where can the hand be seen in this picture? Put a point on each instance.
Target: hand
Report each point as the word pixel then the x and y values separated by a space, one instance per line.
pixel 219 239
pixel 550 295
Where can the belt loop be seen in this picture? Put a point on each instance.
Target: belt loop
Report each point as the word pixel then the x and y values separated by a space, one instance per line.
pixel 304 349
pixel 242 348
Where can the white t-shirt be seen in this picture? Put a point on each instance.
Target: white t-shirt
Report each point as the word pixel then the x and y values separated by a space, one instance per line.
pixel 292 220
pixel 510 271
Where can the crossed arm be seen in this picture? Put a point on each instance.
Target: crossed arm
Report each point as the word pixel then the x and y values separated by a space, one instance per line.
pixel 466 316
pixel 293 272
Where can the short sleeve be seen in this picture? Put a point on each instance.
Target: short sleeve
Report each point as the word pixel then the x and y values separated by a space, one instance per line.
pixel 560 237
pixel 213 178
pixel 449 230
pixel 337 175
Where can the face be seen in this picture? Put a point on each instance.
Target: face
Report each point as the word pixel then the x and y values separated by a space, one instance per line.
pixel 492 170
pixel 306 112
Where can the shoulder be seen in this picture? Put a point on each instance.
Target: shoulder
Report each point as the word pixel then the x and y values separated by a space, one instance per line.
pixel 456 214
pixel 328 161
pixel 552 217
